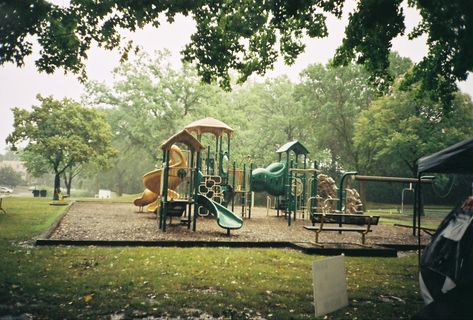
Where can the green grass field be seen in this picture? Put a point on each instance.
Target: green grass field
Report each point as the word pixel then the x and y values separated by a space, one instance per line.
pixel 391 215
pixel 98 282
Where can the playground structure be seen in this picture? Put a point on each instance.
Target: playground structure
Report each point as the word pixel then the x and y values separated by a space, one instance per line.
pixel 194 181
pixel 199 181
pixel 152 182
pixel 413 184
pixel 297 186
pixel 219 182
pixel 291 182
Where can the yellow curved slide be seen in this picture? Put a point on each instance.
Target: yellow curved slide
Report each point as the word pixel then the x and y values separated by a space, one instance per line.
pixel 152 182
pixel 146 198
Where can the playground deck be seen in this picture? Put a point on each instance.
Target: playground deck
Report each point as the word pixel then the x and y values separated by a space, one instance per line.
pixel 104 221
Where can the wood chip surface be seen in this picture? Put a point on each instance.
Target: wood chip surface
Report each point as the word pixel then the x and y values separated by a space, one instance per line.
pixel 122 221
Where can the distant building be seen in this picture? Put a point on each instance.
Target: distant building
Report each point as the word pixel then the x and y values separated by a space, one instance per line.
pixel 17 166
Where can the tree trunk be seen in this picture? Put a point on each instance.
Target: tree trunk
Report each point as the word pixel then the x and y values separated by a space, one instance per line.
pixel 120 189
pixel 68 181
pixel 57 185
pixel 68 189
pixel 120 184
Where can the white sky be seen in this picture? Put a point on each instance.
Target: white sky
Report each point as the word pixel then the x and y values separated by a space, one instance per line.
pixel 19 86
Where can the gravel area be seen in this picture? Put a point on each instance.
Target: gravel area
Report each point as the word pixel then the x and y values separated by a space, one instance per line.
pixel 122 221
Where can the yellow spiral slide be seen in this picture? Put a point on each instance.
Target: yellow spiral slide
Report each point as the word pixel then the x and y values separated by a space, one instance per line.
pixel 152 182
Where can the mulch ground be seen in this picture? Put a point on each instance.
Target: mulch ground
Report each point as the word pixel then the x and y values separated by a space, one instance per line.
pixel 122 221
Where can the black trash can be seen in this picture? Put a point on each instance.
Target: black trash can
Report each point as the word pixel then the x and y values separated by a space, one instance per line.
pixel 35 193
pixel 43 193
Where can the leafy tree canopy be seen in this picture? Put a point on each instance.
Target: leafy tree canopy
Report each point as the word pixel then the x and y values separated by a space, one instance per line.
pixel 149 99
pixel 9 177
pixel 398 129
pixel 61 135
pixel 247 36
pixel 332 99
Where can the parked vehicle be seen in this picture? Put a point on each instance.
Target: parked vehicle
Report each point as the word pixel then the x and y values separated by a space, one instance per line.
pixel 5 190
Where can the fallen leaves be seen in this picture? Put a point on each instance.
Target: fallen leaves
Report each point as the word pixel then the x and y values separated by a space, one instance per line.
pixel 88 298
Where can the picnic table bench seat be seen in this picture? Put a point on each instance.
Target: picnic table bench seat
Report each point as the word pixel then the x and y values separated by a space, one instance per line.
pixel 342 223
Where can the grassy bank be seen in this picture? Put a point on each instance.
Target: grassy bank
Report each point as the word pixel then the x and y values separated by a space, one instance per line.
pixel 92 282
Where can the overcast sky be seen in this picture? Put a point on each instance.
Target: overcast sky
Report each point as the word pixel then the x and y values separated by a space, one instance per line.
pixel 19 86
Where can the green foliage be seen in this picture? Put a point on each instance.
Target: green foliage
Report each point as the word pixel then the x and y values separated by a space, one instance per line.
pixel 246 36
pixel 400 128
pixel 151 101
pixel 448 28
pixel 61 135
pixel 146 105
pixel 9 177
pixel 148 101
pixel 36 164
pixel 449 31
pixel 332 99
pixel 273 118
pixel 368 37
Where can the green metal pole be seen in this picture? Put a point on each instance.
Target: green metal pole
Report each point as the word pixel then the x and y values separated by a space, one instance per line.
pixel 191 187
pixel 249 191
pixel 160 213
pixel 164 195
pixel 199 137
pixel 207 160
pixel 220 158
pixel 277 205
pixel 289 206
pixel 421 209
pixel 228 146
pixel 196 190
pixel 419 213
pixel 341 189
pixel 287 188
pixel 228 157
pixel 304 180
pixel 414 210
pixel 233 186
pixel 215 157
pixel 314 188
pixel 243 189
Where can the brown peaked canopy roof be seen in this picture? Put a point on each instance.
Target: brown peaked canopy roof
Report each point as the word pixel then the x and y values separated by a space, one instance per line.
pixel 183 137
pixel 210 125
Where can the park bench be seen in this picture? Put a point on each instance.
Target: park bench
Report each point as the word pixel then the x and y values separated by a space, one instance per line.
pixel 342 223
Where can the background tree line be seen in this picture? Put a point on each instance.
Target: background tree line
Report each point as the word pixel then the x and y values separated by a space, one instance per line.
pixel 336 112
pixel 381 121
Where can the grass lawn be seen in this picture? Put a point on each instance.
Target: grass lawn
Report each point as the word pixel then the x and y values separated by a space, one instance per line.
pixel 98 282
pixel 433 215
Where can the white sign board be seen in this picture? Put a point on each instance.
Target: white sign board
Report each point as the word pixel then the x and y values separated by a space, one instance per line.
pixel 105 194
pixel 330 285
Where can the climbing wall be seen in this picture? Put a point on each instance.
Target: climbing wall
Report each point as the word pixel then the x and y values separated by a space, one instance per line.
pixel 211 187
pixel 327 191
pixel 353 204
